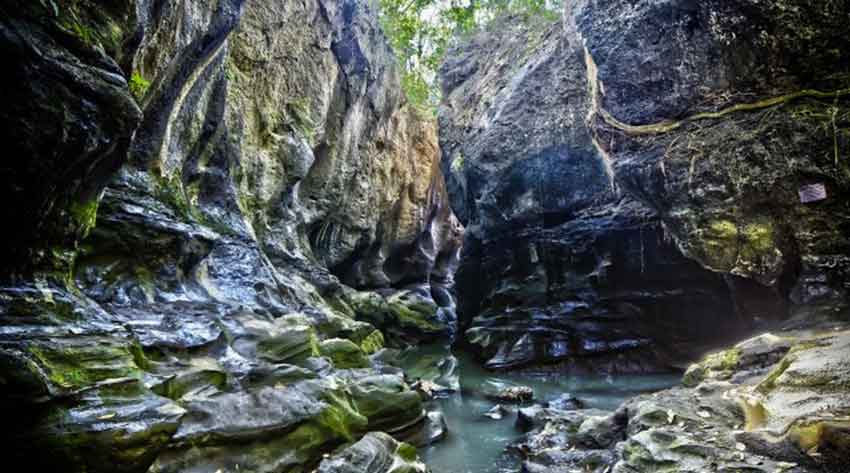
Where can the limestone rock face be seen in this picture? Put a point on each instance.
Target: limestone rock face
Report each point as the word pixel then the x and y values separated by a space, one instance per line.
pixel 724 124
pixel 560 266
pixel 330 157
pixel 631 178
pixel 720 127
pixel 211 318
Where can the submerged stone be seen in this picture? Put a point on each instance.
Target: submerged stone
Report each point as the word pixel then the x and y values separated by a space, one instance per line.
pixel 511 394
pixel 496 412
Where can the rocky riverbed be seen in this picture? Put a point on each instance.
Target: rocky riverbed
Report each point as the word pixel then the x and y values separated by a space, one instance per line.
pixel 771 403
pixel 485 423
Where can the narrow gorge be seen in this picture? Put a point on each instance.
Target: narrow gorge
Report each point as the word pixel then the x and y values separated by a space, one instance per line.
pixel 620 242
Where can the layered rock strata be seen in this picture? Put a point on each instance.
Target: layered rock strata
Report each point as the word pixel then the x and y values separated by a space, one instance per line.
pixel 203 190
pixel 634 177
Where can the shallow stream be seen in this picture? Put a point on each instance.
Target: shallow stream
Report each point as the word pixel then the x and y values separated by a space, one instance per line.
pixel 476 443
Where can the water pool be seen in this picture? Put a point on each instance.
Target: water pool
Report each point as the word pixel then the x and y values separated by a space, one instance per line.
pixel 475 443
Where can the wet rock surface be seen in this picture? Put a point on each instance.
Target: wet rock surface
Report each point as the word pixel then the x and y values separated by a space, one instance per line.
pixel 227 219
pixel 560 266
pixel 623 225
pixel 730 143
pixel 68 122
pixel 511 394
pixel 199 307
pixel 374 453
pixel 771 408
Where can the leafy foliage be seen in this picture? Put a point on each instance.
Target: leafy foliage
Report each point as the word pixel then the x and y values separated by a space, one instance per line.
pixel 139 85
pixel 420 32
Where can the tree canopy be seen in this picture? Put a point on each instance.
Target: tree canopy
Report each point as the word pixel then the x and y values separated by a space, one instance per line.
pixel 420 32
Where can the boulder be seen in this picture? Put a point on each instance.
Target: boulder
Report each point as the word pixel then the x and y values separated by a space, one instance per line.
pixel 565 402
pixel 509 394
pixel 434 429
pixel 388 402
pixel 496 412
pixel 344 353
pixel 376 452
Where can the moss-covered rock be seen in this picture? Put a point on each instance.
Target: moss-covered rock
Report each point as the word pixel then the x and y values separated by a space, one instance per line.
pixel 291 344
pixel 121 427
pixel 372 343
pixel 71 365
pixel 191 383
pixel 388 403
pixel 344 353
pixel 720 365
pixel 376 452
pixel 401 316
pixel 270 429
pixel 776 402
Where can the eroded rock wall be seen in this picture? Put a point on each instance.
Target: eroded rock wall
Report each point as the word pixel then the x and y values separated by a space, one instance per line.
pixel 560 266
pixel 68 122
pixel 630 177
pixel 724 124
pixel 206 312
pixel 748 107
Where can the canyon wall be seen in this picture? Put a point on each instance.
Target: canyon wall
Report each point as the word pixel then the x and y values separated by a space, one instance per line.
pixel 222 209
pixel 640 181
pixel 224 216
pixel 630 179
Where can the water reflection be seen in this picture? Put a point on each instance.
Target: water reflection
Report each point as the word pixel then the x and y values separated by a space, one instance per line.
pixel 476 443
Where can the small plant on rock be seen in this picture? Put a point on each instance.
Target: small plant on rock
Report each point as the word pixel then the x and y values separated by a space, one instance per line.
pixel 138 85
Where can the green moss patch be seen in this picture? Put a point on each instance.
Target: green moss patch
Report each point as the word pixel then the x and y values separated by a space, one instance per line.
pixel 294 345
pixel 407 452
pixel 401 316
pixel 338 423
pixel 716 365
pixel 344 353
pixel 720 244
pixel 181 384
pixel 387 402
pixel 373 342
pixel 83 363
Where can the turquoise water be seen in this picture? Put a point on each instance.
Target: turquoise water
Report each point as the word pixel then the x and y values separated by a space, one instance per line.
pixel 475 443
